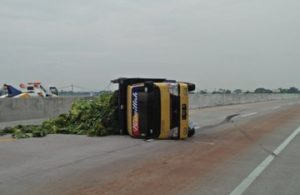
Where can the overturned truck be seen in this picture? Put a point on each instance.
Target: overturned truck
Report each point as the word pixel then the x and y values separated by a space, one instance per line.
pixel 154 108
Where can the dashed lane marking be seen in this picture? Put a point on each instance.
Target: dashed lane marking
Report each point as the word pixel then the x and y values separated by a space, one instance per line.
pixel 242 187
pixel 247 115
pixel 276 107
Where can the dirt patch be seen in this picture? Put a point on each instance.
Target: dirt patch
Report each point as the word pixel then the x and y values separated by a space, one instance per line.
pixel 182 164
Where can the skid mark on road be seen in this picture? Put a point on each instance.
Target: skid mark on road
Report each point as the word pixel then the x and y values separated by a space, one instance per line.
pixel 226 120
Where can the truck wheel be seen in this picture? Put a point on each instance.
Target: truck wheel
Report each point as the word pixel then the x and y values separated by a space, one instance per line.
pixel 191 86
pixel 191 132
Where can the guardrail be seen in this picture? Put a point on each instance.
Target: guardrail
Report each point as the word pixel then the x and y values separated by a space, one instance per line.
pixel 12 109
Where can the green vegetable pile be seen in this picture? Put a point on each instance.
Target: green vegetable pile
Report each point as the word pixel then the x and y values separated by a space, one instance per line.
pixel 97 117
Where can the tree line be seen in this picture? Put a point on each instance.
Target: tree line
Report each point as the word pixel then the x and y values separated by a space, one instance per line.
pixel 291 90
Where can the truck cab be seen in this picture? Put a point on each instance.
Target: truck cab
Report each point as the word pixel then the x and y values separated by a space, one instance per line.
pixel 154 108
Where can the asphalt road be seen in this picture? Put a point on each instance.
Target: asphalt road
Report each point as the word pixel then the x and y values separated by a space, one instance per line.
pixel 238 156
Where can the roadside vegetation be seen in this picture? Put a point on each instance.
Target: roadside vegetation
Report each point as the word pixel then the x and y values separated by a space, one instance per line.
pixel 97 117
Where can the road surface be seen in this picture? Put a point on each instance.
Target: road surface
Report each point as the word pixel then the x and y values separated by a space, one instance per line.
pixel 256 152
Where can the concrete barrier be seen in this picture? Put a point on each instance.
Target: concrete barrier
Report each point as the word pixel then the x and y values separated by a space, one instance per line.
pixel 43 108
pixel 34 108
pixel 211 100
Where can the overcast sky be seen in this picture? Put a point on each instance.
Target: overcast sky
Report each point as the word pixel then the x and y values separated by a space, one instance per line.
pixel 216 44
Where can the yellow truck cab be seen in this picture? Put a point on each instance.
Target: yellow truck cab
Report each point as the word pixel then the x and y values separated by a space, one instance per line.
pixel 154 108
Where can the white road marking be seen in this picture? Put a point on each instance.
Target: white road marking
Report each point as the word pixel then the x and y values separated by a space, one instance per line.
pixel 7 139
pixel 247 115
pixel 149 140
pixel 202 142
pixel 240 189
pixel 276 107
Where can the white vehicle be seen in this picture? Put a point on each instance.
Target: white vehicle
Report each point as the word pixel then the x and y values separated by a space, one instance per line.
pixel 36 89
pixel 3 93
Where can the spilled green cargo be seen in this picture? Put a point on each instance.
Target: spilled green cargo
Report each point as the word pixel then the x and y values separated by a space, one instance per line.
pixel 97 117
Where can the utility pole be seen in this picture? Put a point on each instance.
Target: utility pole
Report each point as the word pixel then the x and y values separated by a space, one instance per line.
pixel 72 89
